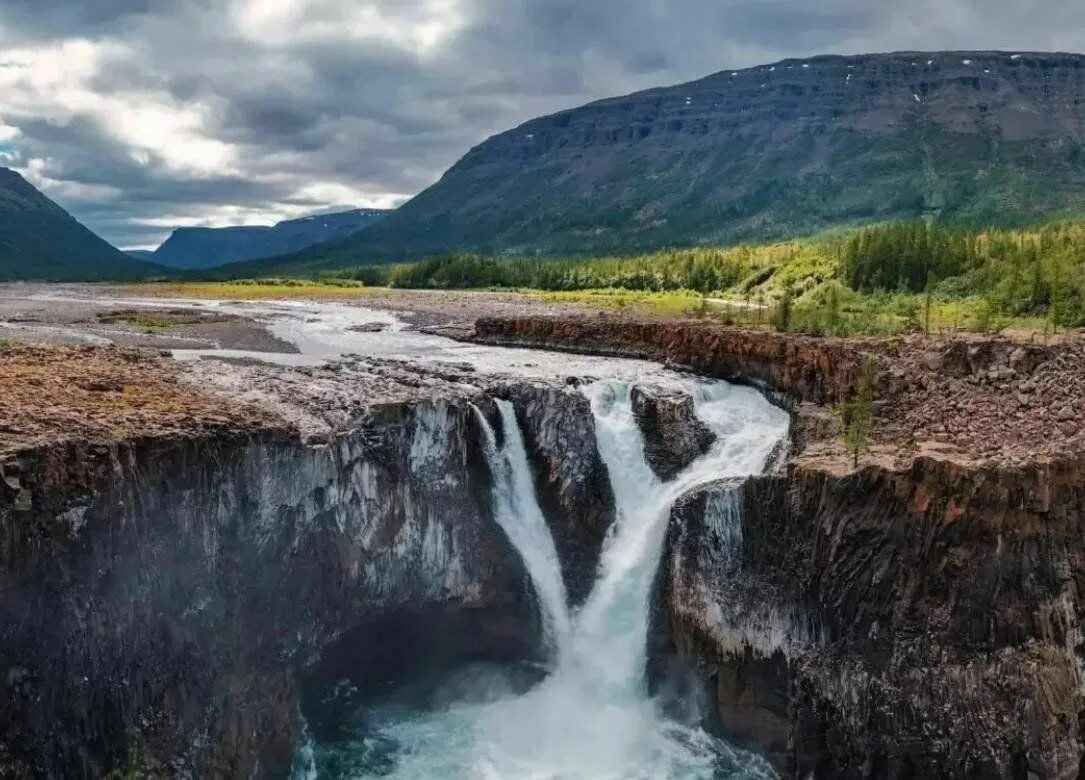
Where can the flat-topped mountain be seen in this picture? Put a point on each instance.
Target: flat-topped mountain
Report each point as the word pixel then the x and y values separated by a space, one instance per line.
pixel 765 152
pixel 196 248
pixel 39 240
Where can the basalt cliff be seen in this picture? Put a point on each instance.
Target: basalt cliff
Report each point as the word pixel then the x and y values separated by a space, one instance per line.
pixel 185 574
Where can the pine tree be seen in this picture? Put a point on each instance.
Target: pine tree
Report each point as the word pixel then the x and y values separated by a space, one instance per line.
pixel 781 315
pixel 858 413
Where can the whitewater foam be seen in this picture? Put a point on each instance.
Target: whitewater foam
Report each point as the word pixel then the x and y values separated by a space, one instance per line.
pixel 592 716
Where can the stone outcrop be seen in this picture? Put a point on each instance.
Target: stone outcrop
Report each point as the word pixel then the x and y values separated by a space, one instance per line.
pixel 799 368
pixel 885 623
pixel 570 478
pixel 174 570
pixel 916 617
pixel 969 399
pixel 674 436
pixel 182 572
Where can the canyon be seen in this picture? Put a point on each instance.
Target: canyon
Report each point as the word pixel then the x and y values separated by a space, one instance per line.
pixel 212 563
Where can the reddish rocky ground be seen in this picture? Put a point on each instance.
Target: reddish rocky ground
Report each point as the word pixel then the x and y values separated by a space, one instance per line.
pixel 987 398
pixel 969 399
pixel 56 393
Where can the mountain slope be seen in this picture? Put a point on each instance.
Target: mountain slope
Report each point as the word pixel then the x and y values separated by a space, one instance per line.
pixel 41 241
pixel 198 248
pixel 762 153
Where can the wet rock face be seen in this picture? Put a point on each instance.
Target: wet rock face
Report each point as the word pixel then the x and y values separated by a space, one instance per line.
pixel 674 436
pixel 571 479
pixel 158 597
pixel 885 624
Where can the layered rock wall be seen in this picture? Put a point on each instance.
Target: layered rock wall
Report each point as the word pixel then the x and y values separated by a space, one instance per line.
pixel 885 624
pixel 800 368
pixel 158 596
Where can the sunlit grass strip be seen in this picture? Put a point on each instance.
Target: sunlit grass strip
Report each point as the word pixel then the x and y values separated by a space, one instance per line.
pixel 255 290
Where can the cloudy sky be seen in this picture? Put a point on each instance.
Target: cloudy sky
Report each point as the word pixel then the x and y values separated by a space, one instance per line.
pixel 142 115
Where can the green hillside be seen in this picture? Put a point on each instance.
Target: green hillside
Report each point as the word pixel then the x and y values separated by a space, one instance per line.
pixel 41 241
pixel 755 155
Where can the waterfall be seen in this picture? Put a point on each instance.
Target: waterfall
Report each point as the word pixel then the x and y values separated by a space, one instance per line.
pixel 517 511
pixel 592 716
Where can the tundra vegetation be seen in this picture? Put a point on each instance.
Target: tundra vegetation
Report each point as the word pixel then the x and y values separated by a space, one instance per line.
pixel 881 280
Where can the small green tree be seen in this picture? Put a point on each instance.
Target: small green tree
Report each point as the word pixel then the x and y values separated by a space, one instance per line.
pixel 834 324
pixel 857 415
pixel 928 304
pixel 781 315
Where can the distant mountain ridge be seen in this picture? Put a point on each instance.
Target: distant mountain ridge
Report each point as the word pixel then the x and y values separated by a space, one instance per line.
pixel 41 241
pixel 768 152
pixel 201 248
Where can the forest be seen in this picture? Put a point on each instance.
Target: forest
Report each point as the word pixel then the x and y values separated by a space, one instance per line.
pixel 885 278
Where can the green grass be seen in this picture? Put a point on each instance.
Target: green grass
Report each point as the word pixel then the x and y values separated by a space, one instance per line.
pixel 256 289
pixel 149 323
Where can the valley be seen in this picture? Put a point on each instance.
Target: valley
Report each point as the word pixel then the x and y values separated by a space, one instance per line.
pixel 354 474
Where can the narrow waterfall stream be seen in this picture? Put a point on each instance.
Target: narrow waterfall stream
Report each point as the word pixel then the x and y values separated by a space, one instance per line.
pixel 591 717
pixel 517 511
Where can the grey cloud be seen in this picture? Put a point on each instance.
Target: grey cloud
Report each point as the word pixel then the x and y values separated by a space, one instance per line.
pixel 75 17
pixel 382 119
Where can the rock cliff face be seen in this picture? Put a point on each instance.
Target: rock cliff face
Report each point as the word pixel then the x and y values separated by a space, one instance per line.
pixel 159 597
pixel 770 151
pixel 570 478
pixel 886 624
pixel 802 368
pixel 165 599
pixel 674 436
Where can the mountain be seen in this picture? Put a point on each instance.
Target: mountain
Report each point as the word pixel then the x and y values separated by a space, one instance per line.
pixel 768 152
pixel 146 255
pixel 198 248
pixel 41 241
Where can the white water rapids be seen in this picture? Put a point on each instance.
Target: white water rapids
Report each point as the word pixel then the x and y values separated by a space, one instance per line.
pixel 591 718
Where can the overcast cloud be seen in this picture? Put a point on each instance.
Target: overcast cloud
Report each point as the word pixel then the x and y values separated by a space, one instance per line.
pixel 142 115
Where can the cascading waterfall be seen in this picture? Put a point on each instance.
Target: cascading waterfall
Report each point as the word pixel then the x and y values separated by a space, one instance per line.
pixel 592 716
pixel 517 511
